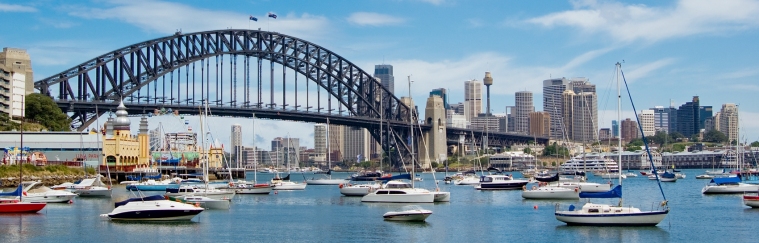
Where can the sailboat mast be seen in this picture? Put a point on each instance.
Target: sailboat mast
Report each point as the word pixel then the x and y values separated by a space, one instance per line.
pixel 411 131
pixel 329 161
pixel 255 156
pixel 619 118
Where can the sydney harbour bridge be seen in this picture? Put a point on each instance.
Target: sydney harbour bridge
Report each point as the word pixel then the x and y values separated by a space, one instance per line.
pixel 239 73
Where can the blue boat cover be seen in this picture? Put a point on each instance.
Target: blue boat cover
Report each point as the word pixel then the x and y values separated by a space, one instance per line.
pixel 397 177
pixel 135 199
pixel 613 193
pixel 16 193
pixel 668 175
pixel 726 180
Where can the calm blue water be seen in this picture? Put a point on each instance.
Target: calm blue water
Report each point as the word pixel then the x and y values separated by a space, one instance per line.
pixel 321 214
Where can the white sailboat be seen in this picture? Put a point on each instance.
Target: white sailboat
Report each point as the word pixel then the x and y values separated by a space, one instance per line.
pixel 328 180
pixel 733 184
pixel 285 183
pixel 246 187
pixel 609 215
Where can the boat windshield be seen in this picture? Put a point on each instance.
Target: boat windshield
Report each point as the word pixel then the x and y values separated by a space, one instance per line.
pixel 398 185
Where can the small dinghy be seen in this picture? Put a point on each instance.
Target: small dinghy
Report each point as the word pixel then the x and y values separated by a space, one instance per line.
pixel 409 213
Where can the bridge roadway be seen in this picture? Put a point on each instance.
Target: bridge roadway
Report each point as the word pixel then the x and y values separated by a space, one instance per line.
pixel 453 134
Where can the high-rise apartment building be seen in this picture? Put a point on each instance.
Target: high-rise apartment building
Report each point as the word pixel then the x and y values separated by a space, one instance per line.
pixel 704 112
pixel 688 118
pixel 472 99
pixel 357 144
pixel 236 142
pixel 540 123
pixel 320 139
pixel 664 119
pixel 552 103
pixel 728 121
pixel 523 104
pixel 18 61
pixel 385 73
pixel 604 134
pixel 629 130
pixel 580 116
pixel 646 118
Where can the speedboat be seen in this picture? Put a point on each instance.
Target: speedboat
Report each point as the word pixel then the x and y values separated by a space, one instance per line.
pixel 92 187
pixel 358 189
pixel 14 205
pixel 409 213
pixel 551 192
pixel 286 184
pixel 630 174
pixel 205 202
pixel 37 192
pixel 191 190
pixel 704 176
pixel 470 179
pixel 728 185
pixel 399 192
pixel 606 215
pixel 138 209
pixel 500 182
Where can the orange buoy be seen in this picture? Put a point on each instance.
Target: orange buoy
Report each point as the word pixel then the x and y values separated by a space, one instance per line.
pixel 535 206
pixel 340 186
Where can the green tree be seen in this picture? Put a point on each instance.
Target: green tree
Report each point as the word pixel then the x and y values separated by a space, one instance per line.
pixel 434 164
pixel 755 144
pixel 674 136
pixel 6 124
pixel 42 109
pixel 715 136
pixel 678 147
pixel 659 138
pixel 694 138
pixel 527 151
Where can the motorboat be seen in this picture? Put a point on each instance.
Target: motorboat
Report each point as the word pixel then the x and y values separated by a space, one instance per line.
pixel 500 182
pixel 35 191
pixel 355 190
pixel 137 209
pixel 286 184
pixel 704 176
pixel 325 180
pixel 751 200
pixel 92 187
pixel 606 215
pixel 16 205
pixel 244 187
pixel 366 176
pixel 630 174
pixel 467 180
pixel 409 213
pixel 399 192
pixel 448 180
pixel 205 202
pixel 728 185
pixel 551 192
pixel 152 185
pixel 441 196
pixel 207 192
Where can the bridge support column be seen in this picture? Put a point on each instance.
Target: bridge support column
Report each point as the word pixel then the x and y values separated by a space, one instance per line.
pixel 433 147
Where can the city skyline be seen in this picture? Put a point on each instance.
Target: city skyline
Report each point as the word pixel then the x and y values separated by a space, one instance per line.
pixel 537 41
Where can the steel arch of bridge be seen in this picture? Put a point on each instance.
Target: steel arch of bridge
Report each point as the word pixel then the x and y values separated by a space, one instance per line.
pixel 124 72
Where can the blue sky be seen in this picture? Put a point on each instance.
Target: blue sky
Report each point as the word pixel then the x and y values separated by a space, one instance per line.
pixel 672 50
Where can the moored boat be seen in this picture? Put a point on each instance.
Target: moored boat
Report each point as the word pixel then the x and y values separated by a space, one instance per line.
pixel 409 213
pixel 15 204
pixel 500 182
pixel 154 210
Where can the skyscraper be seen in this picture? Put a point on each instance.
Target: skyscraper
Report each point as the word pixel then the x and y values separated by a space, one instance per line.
pixel 236 137
pixel 523 103
pixel 580 112
pixel 614 129
pixel 552 91
pixel 443 94
pixel 320 138
pixel 688 118
pixel 357 147
pixel 704 112
pixel 646 118
pixel 629 130
pixel 472 99
pixel 728 121
pixel 540 122
pixel 385 73
pixel 664 119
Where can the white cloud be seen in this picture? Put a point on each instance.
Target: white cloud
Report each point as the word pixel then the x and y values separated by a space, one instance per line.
pixel 744 73
pixel 16 8
pixel 433 2
pixel 635 22
pixel 374 19
pixel 638 72
pixel 167 17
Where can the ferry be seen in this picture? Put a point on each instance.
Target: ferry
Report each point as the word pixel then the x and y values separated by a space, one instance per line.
pixel 589 162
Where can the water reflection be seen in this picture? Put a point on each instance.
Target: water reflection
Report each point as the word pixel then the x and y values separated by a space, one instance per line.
pixel 618 234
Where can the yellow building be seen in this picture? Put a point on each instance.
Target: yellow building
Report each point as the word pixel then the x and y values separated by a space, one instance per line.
pixel 121 149
pixel 215 157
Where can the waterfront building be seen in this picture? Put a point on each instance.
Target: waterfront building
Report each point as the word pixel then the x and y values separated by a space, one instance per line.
pixel 647 121
pixel 629 130
pixel 385 74
pixel 121 150
pixel 472 99
pixel 540 123
pixel 637 160
pixel 698 159
pixel 688 118
pixel 552 103
pixel 442 93
pixel 523 104
pixel 55 147
pixel 728 121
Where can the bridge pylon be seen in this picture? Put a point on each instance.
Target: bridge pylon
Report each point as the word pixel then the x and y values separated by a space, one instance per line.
pixel 433 147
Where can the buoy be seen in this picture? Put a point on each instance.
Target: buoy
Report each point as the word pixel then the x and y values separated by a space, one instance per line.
pixel 340 186
pixel 71 201
pixel 275 192
pixel 535 206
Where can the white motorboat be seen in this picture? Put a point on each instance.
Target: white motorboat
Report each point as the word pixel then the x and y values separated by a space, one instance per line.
pixel 500 182
pixel 409 213
pixel 704 176
pixel 751 200
pixel 243 187
pixel 286 184
pixel 551 192
pixel 205 202
pixel 358 189
pixel 158 210
pixel 467 180
pixel 37 192
pixel 399 192
pixel 630 174
pixel 606 215
pixel 442 196
pixel 585 186
pixel 207 192
pixel 728 185
pixel 92 187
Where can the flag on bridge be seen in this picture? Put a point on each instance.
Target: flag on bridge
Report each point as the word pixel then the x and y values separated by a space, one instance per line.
pixel 253 18
pixel 272 15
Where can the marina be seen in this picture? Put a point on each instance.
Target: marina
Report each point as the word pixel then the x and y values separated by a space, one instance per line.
pixel 323 214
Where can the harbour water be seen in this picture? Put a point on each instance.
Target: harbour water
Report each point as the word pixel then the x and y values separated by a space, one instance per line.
pixel 321 214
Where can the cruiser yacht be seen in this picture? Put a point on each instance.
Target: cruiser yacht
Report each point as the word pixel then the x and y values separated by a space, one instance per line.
pixel 399 192
pixel 500 182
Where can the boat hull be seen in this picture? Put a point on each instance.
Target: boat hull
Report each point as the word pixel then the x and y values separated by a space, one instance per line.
pixel 93 192
pixel 730 189
pixel 552 193
pixel 254 190
pixel 651 218
pixel 401 216
pixel 162 210
pixel 160 188
pixel 516 185
pixel 442 196
pixel 326 182
pixel 586 186
pixel 357 190
pixel 751 201
pixel 48 198
pixel 210 204
pixel 293 186
pixel 21 207
pixel 399 198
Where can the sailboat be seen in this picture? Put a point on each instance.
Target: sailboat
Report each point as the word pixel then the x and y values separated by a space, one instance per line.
pixel 244 187
pixel 285 183
pixel 17 204
pixel 619 215
pixel 328 180
pixel 732 184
